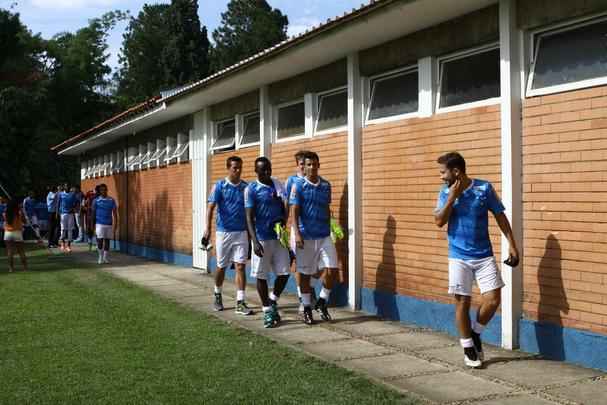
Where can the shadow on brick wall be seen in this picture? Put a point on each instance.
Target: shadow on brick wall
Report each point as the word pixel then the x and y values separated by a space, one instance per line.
pixel 385 276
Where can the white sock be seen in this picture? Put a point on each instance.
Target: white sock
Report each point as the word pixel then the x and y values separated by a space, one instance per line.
pixel 217 290
pixel 478 328
pixel 273 297
pixel 240 295
pixel 325 293
pixel 299 291
pixel 466 343
pixel 105 254
pixel 100 253
pixel 306 300
pixel 266 309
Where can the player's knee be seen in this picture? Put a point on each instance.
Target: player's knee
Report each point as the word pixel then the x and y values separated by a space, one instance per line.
pixel 493 300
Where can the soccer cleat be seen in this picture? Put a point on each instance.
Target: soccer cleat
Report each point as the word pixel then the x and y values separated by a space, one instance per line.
pixel 218 304
pixel 100 260
pixel 243 309
pixel 106 261
pixel 321 306
pixel 307 317
pixel 478 345
pixel 268 319
pixel 274 306
pixel 471 358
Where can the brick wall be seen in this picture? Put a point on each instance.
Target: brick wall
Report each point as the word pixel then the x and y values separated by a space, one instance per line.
pixel 159 203
pixel 332 150
pixel 403 250
pixel 565 208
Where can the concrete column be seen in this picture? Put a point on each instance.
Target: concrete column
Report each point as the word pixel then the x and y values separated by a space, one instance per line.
pixel 355 103
pixel 265 123
pixel 199 150
pixel 512 155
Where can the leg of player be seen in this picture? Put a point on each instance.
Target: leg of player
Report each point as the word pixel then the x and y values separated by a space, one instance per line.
pixel 241 281
pixel 307 317
pixel 462 319
pixel 106 250
pixel 99 249
pixel 490 302
pixel 220 274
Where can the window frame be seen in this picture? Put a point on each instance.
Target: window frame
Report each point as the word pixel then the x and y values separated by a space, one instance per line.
pixel 317 104
pixel 461 55
pixel 215 132
pixel 370 91
pixel 534 47
pixel 240 129
pixel 275 111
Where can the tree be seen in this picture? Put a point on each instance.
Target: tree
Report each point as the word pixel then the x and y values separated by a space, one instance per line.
pixel 185 58
pixel 140 76
pixel 247 27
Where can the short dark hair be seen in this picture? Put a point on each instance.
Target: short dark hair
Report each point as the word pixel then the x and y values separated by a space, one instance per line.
pixel 102 185
pixel 232 159
pixel 262 159
pixel 453 160
pixel 300 155
pixel 312 156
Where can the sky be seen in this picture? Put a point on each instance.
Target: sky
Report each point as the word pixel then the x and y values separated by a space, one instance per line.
pixel 49 17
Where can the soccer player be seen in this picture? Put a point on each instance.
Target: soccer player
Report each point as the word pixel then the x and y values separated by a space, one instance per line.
pixel 265 207
pixel 78 214
pixel 66 208
pixel 2 211
pixel 310 200
pixel 104 216
pixel 231 237
pixel 31 216
pixel 51 204
pixel 464 203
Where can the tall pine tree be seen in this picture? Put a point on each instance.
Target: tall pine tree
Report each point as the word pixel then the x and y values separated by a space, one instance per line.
pixel 247 27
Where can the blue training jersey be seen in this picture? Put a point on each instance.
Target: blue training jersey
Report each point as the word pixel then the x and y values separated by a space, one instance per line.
pixel 229 199
pixel 268 203
pixel 103 207
pixel 67 202
pixel 468 229
pixel 291 180
pixel 29 206
pixel 51 201
pixel 41 211
pixel 313 201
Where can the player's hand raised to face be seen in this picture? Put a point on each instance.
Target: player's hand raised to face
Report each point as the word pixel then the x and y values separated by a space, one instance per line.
pixel 456 189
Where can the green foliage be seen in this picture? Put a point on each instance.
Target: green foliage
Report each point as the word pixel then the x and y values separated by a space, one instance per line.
pixel 247 27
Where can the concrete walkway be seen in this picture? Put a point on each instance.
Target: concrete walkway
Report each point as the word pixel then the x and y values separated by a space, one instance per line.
pixel 422 363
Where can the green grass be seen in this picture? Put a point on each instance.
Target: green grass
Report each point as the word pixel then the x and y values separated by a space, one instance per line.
pixel 73 335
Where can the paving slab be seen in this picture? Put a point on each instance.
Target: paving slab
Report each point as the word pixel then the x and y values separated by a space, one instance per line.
pixel 587 392
pixel 346 349
pixel 415 340
pixel 306 335
pixel 539 373
pixel 392 365
pixel 256 325
pixel 524 399
pixel 493 356
pixel 453 386
pixel 369 327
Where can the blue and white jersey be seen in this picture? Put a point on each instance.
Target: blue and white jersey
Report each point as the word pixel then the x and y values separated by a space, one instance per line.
pixel 229 199
pixel 29 206
pixel 67 202
pixel 41 211
pixel 2 211
pixel 468 229
pixel 291 180
pixel 51 202
pixel 268 203
pixel 313 201
pixel 104 206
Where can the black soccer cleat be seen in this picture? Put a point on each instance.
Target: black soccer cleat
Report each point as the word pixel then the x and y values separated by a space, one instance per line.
pixel 218 304
pixel 471 358
pixel 307 317
pixel 321 306
pixel 478 345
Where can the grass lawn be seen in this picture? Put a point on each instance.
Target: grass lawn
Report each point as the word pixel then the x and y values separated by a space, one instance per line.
pixel 73 335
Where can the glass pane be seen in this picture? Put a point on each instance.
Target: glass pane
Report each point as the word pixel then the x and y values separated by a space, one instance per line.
pixel 571 56
pixel 473 78
pixel 226 132
pixel 394 95
pixel 332 111
pixel 291 121
pixel 251 130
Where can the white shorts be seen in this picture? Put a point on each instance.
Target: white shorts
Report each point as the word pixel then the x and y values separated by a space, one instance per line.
pixel 103 231
pixel 67 226
pixel 316 254
pixel 463 272
pixel 13 236
pixel 231 247
pixel 275 259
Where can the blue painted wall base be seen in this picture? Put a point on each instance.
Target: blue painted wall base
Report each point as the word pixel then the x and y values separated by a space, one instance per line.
pixel 551 341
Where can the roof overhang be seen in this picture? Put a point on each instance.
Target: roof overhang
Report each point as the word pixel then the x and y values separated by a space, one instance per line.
pixel 321 47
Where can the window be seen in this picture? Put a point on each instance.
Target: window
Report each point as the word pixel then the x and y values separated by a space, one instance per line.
pixel 469 78
pixel 180 154
pixel 250 134
pixel 394 94
pixel 569 58
pixel 151 149
pixel 332 110
pixel 119 162
pixel 291 121
pixel 225 135
pixel 159 154
pixel 89 169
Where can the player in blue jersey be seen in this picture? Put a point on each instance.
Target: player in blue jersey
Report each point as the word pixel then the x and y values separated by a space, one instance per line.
pixel 31 216
pixel 464 203
pixel 66 208
pixel 231 237
pixel 310 201
pixel 104 215
pixel 265 207
pixel 51 205
pixel 42 216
